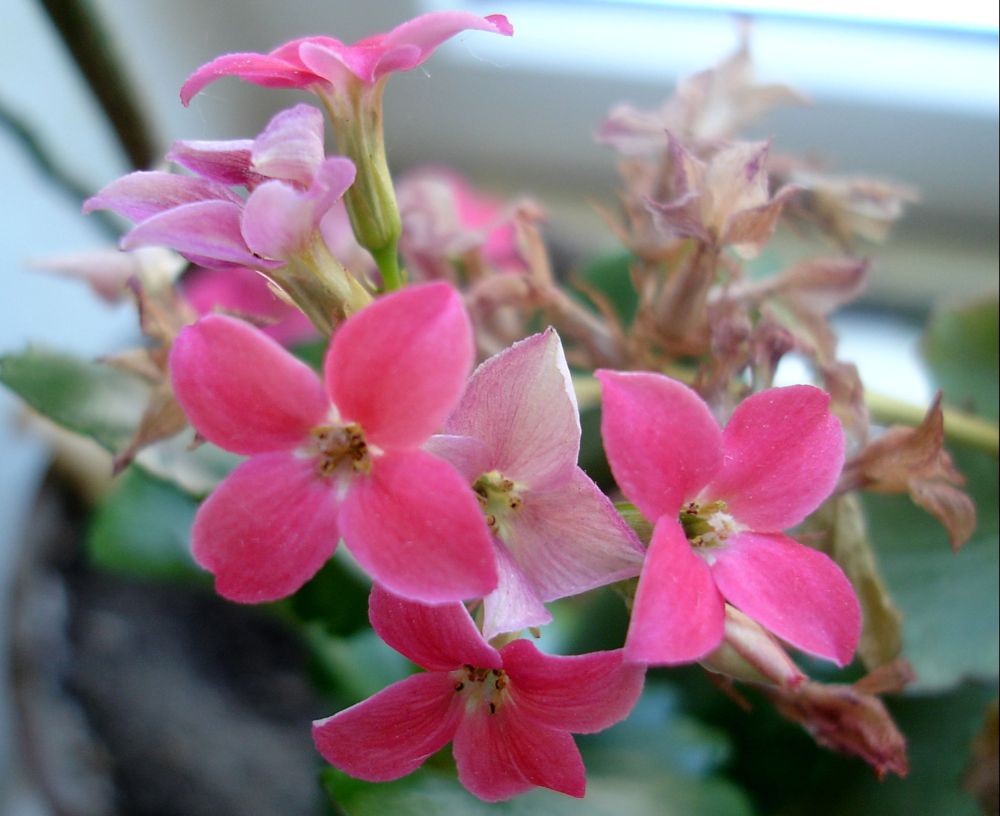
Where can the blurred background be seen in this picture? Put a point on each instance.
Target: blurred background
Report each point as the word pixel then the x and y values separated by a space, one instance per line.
pixel 899 90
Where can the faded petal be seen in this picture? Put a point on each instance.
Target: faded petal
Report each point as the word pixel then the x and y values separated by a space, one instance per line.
pixel 206 232
pixel 468 456
pixel 796 592
pixel 280 220
pixel 570 539
pixel 678 616
pixel 290 148
pixel 514 604
pixel 398 366
pixel 439 638
pixel 521 404
pixel 414 526
pixel 501 755
pixel 582 694
pixel 224 162
pixel 783 452
pixel 266 529
pixel 242 390
pixel 661 440
pixel 391 734
pixel 145 193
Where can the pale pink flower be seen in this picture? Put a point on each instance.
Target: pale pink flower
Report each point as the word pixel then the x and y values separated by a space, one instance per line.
pixel 291 188
pixel 509 713
pixel 515 436
pixel 330 67
pixel 719 500
pixel 340 458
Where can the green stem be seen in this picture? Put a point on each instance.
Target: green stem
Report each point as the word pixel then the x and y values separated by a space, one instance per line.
pixel 388 264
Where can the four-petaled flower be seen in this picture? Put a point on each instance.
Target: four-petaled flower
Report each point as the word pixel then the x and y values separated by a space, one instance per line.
pixel 720 499
pixel 509 712
pixel 340 460
pixel 515 436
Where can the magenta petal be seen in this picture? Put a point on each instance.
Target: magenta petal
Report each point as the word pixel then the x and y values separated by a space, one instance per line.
pixel 259 69
pixel 662 442
pixel 267 528
pixel 521 404
pixel 570 539
pixel 678 616
pixel 391 734
pixel 515 603
pixel 794 591
pixel 783 452
pixel 143 194
pixel 580 693
pixel 398 366
pixel 414 525
pixel 439 638
pixel 291 146
pixel 243 391
pixel 225 162
pixel 207 230
pixel 501 755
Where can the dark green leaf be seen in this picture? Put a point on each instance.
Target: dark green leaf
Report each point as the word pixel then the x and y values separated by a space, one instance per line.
pixel 610 276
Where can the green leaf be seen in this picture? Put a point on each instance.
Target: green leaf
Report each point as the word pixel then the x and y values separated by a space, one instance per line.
pixel 611 276
pixel 961 346
pixel 949 600
pixel 143 527
pixel 87 397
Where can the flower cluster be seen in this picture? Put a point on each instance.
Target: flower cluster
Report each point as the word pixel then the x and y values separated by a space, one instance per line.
pixel 459 491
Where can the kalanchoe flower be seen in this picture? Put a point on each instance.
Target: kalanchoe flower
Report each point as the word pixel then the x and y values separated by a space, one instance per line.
pixel 509 713
pixel 349 79
pixel 515 436
pixel 340 460
pixel 276 229
pixel 720 499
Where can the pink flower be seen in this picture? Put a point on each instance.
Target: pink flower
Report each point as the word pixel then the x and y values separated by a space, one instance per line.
pixel 515 436
pixel 720 499
pixel 291 188
pixel 444 217
pixel 337 460
pixel 509 712
pixel 328 66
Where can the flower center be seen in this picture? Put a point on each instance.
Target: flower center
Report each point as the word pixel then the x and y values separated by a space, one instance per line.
pixel 482 688
pixel 499 497
pixel 707 525
pixel 339 445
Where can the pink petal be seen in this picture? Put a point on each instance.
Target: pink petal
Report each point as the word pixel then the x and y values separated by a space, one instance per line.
pixel 794 591
pixel 141 195
pixel 661 440
pixel 291 146
pixel 520 403
pixel 439 638
pixel 414 526
pixel 398 366
pixel 678 615
pixel 514 604
pixel 267 528
pixel 391 734
pixel 280 220
pixel 570 539
pixel 582 693
pixel 242 390
pixel 224 162
pixel 468 456
pixel 259 69
pixel 784 450
pixel 501 755
pixel 206 230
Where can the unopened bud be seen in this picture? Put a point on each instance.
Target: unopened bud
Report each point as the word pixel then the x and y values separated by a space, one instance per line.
pixel 749 653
